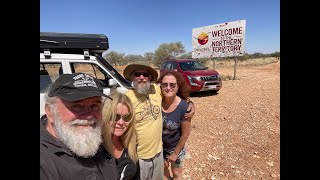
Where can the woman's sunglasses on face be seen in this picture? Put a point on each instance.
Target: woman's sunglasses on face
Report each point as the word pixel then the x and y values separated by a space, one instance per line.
pixel 138 74
pixel 125 118
pixel 165 85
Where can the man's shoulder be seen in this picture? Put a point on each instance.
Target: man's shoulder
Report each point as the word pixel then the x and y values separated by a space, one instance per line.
pixel 157 88
pixel 46 161
pixel 46 153
pixel 130 93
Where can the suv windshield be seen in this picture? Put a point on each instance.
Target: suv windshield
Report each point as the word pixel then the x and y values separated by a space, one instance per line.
pixel 191 66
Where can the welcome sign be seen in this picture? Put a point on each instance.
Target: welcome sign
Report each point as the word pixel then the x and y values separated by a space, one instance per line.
pixel 219 40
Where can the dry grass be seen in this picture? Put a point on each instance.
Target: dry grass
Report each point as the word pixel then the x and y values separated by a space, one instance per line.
pixel 227 69
pixel 246 63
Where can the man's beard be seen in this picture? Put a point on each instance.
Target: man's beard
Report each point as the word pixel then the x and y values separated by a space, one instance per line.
pixel 83 142
pixel 142 88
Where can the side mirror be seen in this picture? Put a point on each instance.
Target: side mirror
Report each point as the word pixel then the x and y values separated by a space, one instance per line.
pixel 112 82
pixel 106 91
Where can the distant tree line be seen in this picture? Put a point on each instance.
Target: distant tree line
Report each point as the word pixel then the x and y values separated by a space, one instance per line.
pixel 170 51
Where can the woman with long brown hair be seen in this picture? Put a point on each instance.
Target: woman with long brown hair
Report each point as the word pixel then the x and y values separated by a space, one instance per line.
pixel 176 128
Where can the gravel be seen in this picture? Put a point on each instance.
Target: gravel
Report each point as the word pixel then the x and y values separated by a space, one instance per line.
pixel 236 133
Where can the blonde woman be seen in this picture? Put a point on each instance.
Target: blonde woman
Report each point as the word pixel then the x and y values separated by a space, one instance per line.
pixel 119 118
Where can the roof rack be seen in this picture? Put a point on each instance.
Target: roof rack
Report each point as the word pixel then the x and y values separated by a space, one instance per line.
pixel 73 43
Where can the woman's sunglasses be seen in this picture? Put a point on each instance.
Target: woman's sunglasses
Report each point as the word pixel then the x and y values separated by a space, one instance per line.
pixel 138 74
pixel 164 85
pixel 126 118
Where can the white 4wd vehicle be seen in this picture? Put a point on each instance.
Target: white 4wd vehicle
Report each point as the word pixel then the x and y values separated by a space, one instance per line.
pixel 66 53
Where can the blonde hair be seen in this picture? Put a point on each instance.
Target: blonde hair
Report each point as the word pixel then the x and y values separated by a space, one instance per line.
pixel 109 113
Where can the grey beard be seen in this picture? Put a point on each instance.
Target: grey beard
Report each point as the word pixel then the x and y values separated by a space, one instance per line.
pixel 142 89
pixel 82 142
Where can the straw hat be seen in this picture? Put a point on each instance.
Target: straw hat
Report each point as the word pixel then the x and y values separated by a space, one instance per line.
pixel 138 67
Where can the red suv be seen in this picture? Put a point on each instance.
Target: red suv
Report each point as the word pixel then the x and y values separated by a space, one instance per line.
pixel 198 77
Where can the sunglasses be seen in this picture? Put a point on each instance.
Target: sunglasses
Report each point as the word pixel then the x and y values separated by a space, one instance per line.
pixel 138 74
pixel 125 118
pixel 172 85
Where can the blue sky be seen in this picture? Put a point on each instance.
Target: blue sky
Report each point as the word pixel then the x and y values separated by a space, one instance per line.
pixel 140 26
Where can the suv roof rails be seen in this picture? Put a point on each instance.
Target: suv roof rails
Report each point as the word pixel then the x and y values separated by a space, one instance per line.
pixel 73 43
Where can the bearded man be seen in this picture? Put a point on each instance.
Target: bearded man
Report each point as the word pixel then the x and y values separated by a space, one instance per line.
pixel 71 131
pixel 146 98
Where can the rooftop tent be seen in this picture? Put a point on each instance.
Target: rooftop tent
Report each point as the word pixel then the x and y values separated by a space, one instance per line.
pixel 73 43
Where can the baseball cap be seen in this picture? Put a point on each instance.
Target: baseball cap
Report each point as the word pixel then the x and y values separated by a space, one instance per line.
pixel 76 86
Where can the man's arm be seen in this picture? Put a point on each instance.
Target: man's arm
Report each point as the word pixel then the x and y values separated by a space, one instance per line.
pixel 190 111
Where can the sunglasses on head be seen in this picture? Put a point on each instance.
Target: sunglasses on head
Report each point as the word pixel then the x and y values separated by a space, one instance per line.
pixel 164 85
pixel 126 118
pixel 138 74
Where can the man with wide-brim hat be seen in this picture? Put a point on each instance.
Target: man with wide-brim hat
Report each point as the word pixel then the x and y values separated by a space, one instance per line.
pixel 147 99
pixel 130 69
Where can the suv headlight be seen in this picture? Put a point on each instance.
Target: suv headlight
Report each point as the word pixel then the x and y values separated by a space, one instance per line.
pixel 191 80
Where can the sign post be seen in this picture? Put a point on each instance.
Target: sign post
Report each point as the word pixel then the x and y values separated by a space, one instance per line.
pixel 219 40
pixel 235 68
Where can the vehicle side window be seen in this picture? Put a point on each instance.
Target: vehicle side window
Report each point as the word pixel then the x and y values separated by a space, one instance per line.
pixel 163 65
pixel 174 65
pixel 49 72
pixel 183 66
pixel 93 70
pixel 168 66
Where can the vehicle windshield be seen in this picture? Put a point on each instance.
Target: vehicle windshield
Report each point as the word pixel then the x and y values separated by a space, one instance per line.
pixel 125 82
pixel 191 66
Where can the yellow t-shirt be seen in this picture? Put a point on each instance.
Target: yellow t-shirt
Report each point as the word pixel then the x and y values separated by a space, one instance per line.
pixel 148 121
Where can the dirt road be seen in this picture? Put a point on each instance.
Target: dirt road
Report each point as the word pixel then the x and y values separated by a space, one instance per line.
pixel 236 133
